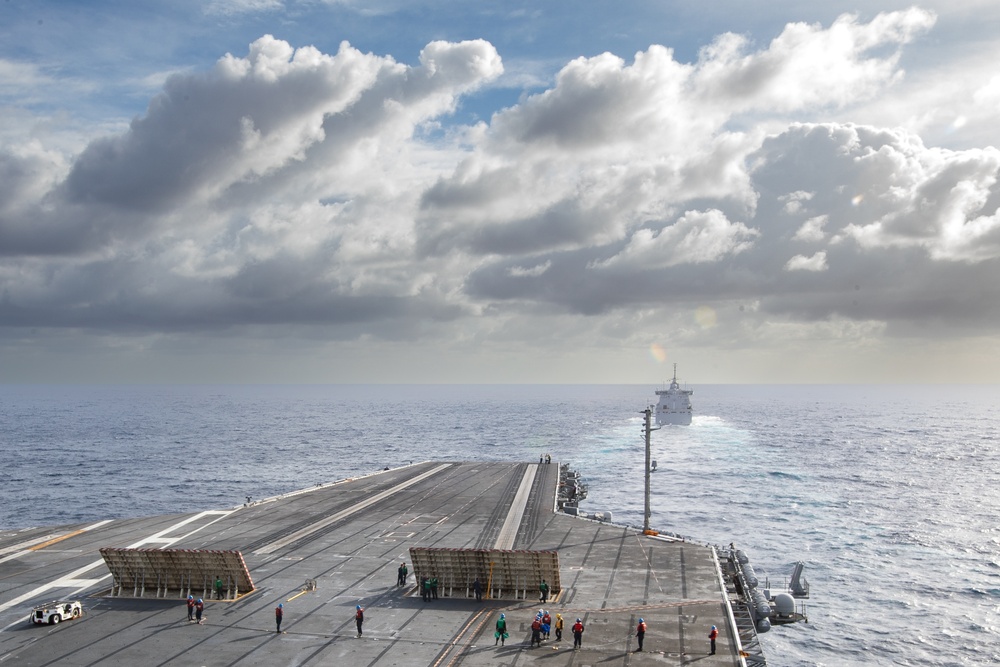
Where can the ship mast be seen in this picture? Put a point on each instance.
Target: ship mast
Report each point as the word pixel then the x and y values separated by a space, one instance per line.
pixel 648 428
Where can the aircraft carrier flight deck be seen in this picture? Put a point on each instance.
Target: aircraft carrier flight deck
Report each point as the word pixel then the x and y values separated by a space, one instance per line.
pixel 324 551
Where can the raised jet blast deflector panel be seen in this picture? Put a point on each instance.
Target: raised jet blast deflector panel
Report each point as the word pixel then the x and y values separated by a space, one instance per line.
pixel 176 573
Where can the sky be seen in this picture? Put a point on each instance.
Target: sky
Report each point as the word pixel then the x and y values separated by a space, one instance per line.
pixel 331 191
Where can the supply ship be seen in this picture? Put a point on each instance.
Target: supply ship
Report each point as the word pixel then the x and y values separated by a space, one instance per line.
pixel 674 404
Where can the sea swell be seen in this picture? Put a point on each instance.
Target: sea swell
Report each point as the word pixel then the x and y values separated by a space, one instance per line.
pixel 888 494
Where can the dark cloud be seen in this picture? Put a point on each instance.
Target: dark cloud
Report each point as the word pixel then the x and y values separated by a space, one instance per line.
pixel 293 190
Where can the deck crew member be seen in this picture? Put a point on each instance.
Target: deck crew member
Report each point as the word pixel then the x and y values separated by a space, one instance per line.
pixel 536 630
pixel 640 632
pixel 279 611
pixel 501 633
pixel 578 634
pixel 359 617
pixel 190 605
pixel 401 575
pixel 712 636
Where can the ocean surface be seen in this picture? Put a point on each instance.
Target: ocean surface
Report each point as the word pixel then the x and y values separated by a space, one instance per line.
pixel 889 494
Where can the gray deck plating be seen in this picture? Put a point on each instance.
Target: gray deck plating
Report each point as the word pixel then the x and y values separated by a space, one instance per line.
pixel 350 537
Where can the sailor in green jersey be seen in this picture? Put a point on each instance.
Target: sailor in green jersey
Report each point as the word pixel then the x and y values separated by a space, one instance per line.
pixel 501 633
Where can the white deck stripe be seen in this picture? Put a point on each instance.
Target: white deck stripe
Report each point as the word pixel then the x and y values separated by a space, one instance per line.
pixel 73 580
pixel 23 546
pixel 97 525
pixel 22 549
pixel 24 552
pixel 296 536
pixel 513 521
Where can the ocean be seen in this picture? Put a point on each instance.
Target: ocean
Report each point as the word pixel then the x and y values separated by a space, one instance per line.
pixel 889 494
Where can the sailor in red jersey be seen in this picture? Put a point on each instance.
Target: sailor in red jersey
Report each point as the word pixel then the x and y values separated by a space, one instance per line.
pixel 640 632
pixel 578 634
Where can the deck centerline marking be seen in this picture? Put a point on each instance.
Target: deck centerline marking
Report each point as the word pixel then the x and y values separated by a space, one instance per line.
pixel 508 533
pixel 319 525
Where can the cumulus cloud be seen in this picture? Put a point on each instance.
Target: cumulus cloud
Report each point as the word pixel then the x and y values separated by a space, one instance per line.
pixel 272 185
pixel 795 200
pixel 697 237
pixel 808 65
pixel 27 172
pixel 292 187
pixel 613 144
pixel 884 189
pixel 811 229
pixel 246 118
pixel 801 263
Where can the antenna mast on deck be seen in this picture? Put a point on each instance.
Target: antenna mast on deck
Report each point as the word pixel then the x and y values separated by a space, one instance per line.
pixel 648 428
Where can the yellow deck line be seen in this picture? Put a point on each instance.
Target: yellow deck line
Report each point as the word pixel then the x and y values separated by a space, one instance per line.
pixel 56 539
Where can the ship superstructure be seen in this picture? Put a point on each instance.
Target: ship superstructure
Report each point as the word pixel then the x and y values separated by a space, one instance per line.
pixel 674 404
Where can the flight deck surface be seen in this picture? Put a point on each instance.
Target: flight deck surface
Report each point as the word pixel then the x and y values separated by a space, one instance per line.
pixel 350 537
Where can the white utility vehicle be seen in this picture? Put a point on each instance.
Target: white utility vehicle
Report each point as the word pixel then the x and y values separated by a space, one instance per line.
pixel 54 612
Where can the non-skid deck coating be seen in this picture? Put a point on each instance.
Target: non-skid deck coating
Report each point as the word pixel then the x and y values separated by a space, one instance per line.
pixel 610 576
